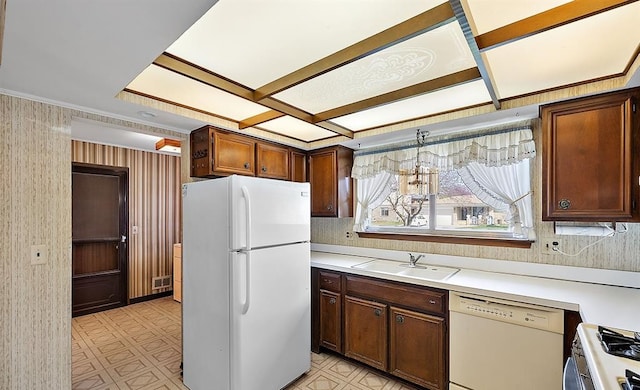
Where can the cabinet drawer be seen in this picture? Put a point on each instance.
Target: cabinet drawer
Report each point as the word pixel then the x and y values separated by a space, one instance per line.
pixel 425 299
pixel 330 281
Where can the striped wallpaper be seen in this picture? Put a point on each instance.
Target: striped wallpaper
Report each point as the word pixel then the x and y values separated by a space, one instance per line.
pixel 154 208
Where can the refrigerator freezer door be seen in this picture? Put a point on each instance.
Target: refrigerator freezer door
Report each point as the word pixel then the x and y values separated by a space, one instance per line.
pixel 267 212
pixel 270 342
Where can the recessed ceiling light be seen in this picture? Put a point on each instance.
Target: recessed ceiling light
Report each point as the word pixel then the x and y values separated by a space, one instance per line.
pixel 146 114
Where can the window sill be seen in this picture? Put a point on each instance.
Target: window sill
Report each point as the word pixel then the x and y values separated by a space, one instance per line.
pixel 498 242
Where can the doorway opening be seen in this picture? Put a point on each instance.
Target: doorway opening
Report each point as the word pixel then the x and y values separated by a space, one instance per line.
pixel 100 219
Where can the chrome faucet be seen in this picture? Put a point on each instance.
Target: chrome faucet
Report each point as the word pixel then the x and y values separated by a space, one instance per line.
pixel 413 259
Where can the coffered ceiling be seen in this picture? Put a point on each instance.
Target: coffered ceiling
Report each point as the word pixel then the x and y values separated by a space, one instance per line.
pixel 317 72
pixel 312 70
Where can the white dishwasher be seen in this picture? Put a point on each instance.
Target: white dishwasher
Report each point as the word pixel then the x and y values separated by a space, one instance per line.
pixel 497 344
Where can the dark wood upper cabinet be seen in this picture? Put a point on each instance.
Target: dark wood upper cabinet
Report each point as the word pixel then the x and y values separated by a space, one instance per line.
pixel 217 152
pixel 298 166
pixel 273 161
pixel 331 183
pixel 590 160
pixel 233 154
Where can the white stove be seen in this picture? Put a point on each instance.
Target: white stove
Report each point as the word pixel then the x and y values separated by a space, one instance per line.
pixel 600 369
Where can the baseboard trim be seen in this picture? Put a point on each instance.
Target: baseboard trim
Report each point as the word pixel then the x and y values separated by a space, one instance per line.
pixel 150 297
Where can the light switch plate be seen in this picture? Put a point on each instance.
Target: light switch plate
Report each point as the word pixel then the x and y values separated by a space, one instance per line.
pixel 38 254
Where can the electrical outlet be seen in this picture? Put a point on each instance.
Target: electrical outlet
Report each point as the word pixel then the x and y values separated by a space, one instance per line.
pixel 38 254
pixel 349 235
pixel 549 244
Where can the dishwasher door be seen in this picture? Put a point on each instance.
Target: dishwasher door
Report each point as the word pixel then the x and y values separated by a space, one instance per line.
pixel 497 344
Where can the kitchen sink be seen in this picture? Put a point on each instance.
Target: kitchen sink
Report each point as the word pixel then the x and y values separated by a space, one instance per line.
pixel 421 271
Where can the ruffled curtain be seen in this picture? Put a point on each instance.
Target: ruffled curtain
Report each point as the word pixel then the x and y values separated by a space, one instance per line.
pixel 503 148
pixel 370 193
pixel 507 188
pixel 493 163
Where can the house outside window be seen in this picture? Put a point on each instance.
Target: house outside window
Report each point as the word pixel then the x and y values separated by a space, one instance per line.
pixel 474 185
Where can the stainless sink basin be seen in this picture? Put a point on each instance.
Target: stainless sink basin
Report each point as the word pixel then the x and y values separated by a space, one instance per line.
pixel 421 271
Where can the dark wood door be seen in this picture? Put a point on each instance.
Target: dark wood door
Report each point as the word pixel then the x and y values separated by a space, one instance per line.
pixel 322 176
pixel 417 348
pixel 99 254
pixel 365 334
pixel 273 161
pixel 233 154
pixel 298 166
pixel 588 159
pixel 331 320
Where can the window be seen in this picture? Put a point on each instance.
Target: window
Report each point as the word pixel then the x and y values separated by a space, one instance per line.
pixel 454 206
pixel 472 186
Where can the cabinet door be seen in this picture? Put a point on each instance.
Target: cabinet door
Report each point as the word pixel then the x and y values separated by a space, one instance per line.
pixel 273 161
pixel 324 185
pixel 417 348
pixel 233 154
pixel 298 166
pixel 365 333
pixel 331 320
pixel 588 162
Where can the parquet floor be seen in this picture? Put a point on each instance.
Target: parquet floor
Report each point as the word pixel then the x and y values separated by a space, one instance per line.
pixel 139 347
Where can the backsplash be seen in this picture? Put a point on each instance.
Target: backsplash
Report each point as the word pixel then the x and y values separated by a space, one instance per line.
pixel 621 252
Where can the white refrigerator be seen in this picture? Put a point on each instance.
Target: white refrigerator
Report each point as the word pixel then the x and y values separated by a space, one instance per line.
pixel 246 283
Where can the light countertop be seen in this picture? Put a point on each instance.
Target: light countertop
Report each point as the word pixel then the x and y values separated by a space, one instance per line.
pixel 603 297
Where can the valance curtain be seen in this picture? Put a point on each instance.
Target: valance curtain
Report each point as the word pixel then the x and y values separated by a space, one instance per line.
pixel 501 147
pixel 493 163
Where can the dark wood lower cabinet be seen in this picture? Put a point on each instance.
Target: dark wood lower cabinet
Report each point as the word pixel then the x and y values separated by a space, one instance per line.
pixel 331 320
pixel 417 347
pixel 395 327
pixel 365 332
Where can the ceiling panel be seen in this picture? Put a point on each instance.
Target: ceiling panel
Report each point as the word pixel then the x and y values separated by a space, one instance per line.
pixel 434 54
pixel 254 42
pixel 487 15
pixel 464 95
pixel 168 85
pixel 591 48
pixel 296 128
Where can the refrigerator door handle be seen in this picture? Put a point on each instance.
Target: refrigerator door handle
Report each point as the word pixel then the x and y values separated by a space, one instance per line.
pixel 247 202
pixel 247 283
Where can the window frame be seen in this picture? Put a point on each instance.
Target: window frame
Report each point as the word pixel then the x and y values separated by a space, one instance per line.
pixel 431 234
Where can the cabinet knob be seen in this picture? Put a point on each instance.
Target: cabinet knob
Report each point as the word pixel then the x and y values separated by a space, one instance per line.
pixel 377 312
pixel 247 165
pixel 432 301
pixel 399 319
pixel 264 169
pixel 330 207
pixel 332 301
pixel 564 204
